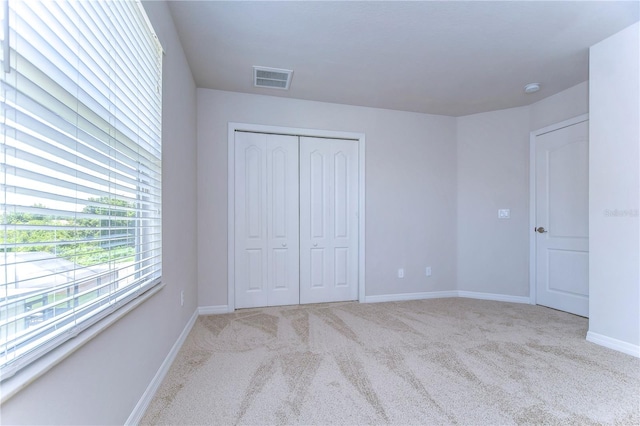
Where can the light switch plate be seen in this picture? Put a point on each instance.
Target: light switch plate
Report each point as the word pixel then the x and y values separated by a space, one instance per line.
pixel 504 214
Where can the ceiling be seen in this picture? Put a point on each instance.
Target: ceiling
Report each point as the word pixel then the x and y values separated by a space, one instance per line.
pixel 439 57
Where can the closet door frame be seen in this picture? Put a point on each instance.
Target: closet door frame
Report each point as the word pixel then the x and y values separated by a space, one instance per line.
pixel 247 127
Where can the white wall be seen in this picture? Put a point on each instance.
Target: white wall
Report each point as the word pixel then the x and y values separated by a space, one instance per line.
pixel 102 381
pixel 430 201
pixel 614 191
pixel 410 187
pixel 562 106
pixel 493 173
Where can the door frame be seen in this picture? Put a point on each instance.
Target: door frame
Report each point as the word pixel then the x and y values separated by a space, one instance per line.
pixel 279 130
pixel 532 196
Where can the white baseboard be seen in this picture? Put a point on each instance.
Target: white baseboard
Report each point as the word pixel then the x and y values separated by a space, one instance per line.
pixel 443 294
pixel 409 296
pixel 493 296
pixel 615 344
pixel 213 310
pixel 138 411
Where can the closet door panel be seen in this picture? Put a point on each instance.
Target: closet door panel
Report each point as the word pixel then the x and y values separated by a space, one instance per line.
pixel 266 220
pixel 328 220
pixel 283 220
pixel 250 220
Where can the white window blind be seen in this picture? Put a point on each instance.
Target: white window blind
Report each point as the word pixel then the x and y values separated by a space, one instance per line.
pixel 80 177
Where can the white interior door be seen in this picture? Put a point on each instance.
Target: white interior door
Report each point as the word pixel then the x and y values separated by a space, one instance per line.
pixel 562 219
pixel 328 220
pixel 266 220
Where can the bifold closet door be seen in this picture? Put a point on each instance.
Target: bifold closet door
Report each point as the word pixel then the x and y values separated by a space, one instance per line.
pixel 328 220
pixel 266 220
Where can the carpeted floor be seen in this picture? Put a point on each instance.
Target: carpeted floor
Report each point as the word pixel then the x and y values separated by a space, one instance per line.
pixel 441 361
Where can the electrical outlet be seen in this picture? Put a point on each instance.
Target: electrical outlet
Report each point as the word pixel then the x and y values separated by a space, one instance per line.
pixel 182 298
pixel 427 271
pixel 401 273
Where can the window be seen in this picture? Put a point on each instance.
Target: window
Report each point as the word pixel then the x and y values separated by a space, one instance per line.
pixel 80 177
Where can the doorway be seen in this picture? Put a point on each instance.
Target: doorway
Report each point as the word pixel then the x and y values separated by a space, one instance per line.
pixel 296 222
pixel 560 216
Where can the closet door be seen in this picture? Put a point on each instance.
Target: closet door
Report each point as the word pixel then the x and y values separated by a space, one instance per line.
pixel 328 220
pixel 266 220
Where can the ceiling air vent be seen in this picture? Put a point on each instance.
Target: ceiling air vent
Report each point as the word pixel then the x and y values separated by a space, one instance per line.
pixel 272 78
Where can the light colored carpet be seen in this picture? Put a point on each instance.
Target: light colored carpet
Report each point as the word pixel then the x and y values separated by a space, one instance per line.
pixel 444 361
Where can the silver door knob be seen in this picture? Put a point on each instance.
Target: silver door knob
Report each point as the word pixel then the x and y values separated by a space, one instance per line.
pixel 315 244
pixel 284 244
pixel 540 230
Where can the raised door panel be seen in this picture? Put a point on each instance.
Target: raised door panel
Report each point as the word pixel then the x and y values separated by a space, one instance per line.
pixel 340 195
pixel 315 181
pixel 568 196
